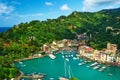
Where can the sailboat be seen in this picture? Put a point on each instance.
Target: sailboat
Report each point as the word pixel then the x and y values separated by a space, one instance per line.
pixel 66 68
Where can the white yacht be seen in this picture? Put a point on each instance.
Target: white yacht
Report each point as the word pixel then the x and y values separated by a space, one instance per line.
pixel 62 78
pixel 81 63
pixel 96 67
pixel 93 64
pixel 67 71
pixel 102 68
pixel 67 59
pixel 51 78
pixel 52 56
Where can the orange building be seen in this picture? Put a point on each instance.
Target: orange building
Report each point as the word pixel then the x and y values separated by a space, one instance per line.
pixel 111 48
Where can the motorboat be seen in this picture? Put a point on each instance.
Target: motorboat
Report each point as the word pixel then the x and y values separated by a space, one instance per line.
pixel 102 68
pixel 110 74
pixel 62 78
pixel 62 56
pixel 67 59
pixel 20 62
pixel 88 66
pixel 93 64
pixel 66 55
pixel 52 56
pixel 51 78
pixel 75 58
pixel 81 63
pixel 96 67
pixel 71 55
pixel 67 71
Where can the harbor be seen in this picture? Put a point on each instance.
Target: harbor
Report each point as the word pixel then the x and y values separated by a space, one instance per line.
pixel 78 68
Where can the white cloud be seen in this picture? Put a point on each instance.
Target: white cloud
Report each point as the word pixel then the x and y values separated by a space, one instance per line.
pixel 65 7
pixel 109 7
pixel 15 3
pixel 30 15
pixel 48 3
pixel 89 5
pixel 5 9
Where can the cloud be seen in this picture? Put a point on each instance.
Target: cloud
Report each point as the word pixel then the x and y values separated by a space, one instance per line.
pixel 48 3
pixel 5 9
pixel 16 18
pixel 109 7
pixel 65 7
pixel 89 5
pixel 29 15
pixel 15 3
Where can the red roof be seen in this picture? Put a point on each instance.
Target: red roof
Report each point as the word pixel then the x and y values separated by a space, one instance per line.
pixel 88 49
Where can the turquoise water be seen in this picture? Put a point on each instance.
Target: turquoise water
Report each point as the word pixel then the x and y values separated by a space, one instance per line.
pixel 55 68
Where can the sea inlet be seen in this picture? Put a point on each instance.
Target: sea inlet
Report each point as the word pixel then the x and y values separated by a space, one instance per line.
pixel 68 64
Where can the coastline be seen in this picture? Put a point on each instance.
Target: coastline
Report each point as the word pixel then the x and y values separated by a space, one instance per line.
pixel 32 57
pixel 4 29
pixel 106 63
pixel 19 77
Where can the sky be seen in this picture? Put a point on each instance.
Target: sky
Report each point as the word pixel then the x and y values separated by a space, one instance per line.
pixel 13 12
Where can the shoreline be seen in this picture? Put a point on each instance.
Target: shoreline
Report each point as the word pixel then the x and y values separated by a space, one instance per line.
pixel 106 63
pixel 29 58
pixel 19 77
pixel 32 57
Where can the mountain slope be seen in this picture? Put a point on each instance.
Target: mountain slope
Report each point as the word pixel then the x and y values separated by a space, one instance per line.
pixel 64 27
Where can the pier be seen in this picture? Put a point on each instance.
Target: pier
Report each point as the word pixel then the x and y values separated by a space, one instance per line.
pixel 33 76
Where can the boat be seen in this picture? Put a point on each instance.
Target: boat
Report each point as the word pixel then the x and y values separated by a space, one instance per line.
pixel 52 56
pixel 85 61
pixel 23 65
pixel 20 62
pixel 71 55
pixel 67 59
pixel 81 60
pixel 12 79
pixel 102 68
pixel 110 74
pixel 66 56
pixel 62 56
pixel 88 61
pixel 41 74
pixel 62 78
pixel 75 58
pixel 81 63
pixel 51 78
pixel 96 67
pixel 88 66
pixel 93 64
pixel 77 55
pixel 67 71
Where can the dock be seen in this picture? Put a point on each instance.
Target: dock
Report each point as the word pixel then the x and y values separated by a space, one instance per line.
pixel 34 76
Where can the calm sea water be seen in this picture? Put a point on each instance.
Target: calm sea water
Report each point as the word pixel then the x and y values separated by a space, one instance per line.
pixel 3 29
pixel 56 68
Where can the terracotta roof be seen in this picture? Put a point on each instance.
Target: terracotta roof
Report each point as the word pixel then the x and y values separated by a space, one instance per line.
pixel 88 49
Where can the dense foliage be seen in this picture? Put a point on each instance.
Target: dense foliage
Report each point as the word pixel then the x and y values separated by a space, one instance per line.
pixel 27 38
